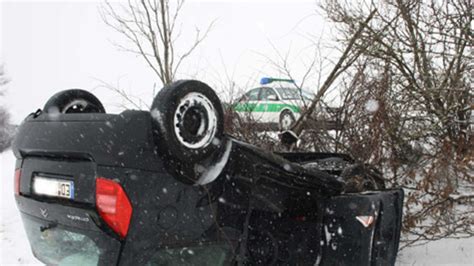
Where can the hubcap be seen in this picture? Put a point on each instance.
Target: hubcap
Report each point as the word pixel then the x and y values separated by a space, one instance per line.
pixel 286 121
pixel 195 121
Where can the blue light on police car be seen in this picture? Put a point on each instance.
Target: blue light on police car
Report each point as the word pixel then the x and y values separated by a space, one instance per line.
pixel 266 80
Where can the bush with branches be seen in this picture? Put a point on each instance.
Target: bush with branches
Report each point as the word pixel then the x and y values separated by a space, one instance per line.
pixel 407 107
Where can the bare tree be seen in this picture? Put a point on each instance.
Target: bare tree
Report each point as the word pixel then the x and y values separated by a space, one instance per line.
pixel 3 78
pixel 347 58
pixel 5 128
pixel 320 121
pixel 152 28
pixel 128 99
pixel 407 106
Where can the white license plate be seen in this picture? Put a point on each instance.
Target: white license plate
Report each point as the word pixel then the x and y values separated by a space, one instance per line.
pixel 53 187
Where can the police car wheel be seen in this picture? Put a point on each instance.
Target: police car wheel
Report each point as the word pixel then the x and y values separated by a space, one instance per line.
pixel 73 101
pixel 188 120
pixel 286 120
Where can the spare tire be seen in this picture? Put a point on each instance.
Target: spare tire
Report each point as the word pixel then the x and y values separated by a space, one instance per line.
pixel 188 121
pixel 73 101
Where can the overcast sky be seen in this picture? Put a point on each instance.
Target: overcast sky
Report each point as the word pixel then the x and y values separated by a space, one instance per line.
pixel 51 46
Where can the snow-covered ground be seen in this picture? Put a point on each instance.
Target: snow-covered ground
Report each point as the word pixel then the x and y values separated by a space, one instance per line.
pixel 442 252
pixel 15 249
pixel 14 246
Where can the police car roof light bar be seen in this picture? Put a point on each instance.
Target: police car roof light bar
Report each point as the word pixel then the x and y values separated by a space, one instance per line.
pixel 267 80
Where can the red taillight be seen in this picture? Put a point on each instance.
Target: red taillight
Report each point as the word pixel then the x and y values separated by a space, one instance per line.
pixel 16 182
pixel 113 205
pixel 300 218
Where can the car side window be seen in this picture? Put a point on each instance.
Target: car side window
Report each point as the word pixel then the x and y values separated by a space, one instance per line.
pixel 251 95
pixel 268 94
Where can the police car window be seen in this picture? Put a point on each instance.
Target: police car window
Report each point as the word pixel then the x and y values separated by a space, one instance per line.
pixel 288 93
pixel 266 92
pixel 293 94
pixel 252 95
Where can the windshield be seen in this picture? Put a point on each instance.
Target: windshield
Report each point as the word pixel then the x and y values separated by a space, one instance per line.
pixel 204 254
pixel 56 245
pixel 293 94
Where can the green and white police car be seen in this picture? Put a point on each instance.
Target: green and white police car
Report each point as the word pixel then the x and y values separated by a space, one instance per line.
pixel 280 103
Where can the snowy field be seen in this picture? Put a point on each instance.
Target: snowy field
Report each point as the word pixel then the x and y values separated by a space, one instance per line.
pixel 15 249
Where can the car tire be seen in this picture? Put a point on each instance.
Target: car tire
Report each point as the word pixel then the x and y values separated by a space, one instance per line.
pixel 188 121
pixel 73 101
pixel 287 119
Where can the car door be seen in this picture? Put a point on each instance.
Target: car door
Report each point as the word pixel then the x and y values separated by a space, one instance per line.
pixel 268 106
pixel 247 104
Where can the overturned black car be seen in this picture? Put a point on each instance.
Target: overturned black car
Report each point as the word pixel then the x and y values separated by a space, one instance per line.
pixel 169 187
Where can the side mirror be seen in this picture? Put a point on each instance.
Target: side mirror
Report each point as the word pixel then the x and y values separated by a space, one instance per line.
pixel 272 97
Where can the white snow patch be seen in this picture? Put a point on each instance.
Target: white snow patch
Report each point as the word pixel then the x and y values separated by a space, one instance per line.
pixel 14 246
pixel 213 171
pixel 441 252
pixel 155 114
pixel 287 167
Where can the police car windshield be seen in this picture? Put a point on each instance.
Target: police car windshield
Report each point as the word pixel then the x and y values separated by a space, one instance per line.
pixel 293 94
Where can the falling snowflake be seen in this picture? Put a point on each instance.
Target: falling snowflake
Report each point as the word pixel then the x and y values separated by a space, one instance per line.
pixel 372 106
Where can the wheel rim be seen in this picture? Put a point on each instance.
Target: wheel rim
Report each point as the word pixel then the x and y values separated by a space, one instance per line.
pixel 286 121
pixel 195 121
pixel 75 106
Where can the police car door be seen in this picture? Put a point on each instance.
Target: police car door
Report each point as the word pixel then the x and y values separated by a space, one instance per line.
pixel 247 105
pixel 268 106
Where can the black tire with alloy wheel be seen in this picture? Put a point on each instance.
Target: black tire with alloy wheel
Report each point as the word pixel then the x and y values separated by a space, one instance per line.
pixel 188 121
pixel 287 119
pixel 73 101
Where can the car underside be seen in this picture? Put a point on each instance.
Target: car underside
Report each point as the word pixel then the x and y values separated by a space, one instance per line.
pixel 169 187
